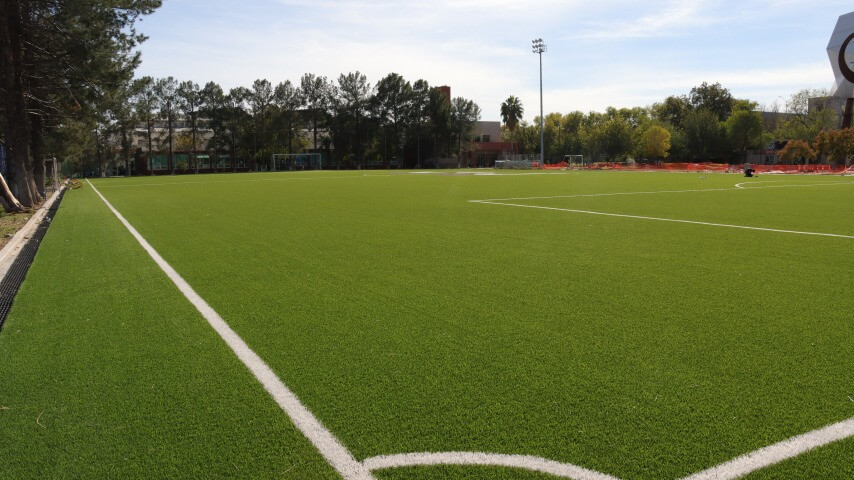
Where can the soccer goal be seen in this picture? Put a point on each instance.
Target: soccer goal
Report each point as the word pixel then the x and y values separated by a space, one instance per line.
pixel 296 161
pixel 574 160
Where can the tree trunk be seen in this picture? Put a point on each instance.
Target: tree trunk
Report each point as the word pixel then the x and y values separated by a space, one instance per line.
pixel 38 168
pixel 193 153
pixel 233 160
pixel 290 129
pixel 10 203
pixel 171 156
pixel 11 52
pixel 148 157
pixel 126 150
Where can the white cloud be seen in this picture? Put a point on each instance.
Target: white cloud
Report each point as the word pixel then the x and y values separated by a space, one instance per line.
pixel 482 48
pixel 674 18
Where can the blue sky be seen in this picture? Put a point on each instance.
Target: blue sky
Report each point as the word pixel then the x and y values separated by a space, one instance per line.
pixel 600 54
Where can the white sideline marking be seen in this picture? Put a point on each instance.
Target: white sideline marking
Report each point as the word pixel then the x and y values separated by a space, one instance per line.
pixel 659 219
pixel 615 194
pixel 332 450
pixel 535 464
pixel 778 452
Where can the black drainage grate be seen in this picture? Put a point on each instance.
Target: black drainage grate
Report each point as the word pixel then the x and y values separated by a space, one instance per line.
pixel 18 271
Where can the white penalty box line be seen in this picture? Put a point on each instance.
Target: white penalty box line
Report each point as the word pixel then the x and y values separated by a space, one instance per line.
pixel 343 461
pixel 506 202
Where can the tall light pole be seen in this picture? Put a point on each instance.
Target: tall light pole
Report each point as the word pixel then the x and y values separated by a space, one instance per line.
pixel 539 47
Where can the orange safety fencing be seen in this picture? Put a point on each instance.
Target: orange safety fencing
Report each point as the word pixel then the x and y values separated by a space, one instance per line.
pixel 699 167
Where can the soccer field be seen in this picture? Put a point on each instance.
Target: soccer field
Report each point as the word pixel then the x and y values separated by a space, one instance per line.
pixel 406 325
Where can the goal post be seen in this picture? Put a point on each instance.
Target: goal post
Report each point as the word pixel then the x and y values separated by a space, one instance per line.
pixel 296 161
pixel 574 160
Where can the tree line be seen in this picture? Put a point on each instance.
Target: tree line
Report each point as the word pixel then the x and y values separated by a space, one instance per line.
pixel 68 91
pixel 358 123
pixel 61 63
pixel 706 125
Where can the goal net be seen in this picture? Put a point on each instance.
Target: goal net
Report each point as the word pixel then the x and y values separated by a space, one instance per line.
pixel 574 160
pixel 296 161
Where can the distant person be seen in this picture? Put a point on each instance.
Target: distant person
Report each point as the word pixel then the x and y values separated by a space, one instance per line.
pixel 748 172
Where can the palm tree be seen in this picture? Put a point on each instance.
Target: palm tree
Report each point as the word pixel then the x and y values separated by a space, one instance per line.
pixel 511 112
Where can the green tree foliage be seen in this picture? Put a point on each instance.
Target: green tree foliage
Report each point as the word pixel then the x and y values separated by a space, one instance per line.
pixel 464 114
pixel 610 138
pixel 419 115
pixel 803 122
pixel 213 110
pixel 796 150
pixel 705 137
pixel 235 118
pixel 145 106
pixel 744 128
pixel 122 117
pixel 351 107
pixel 166 90
pixel 836 145
pixel 511 112
pixel 190 101
pixel 317 95
pixel 260 98
pixel 392 105
pixel 672 110
pixel 527 137
pixel 656 143
pixel 439 113
pixel 59 62
pixel 288 99
pixel 714 98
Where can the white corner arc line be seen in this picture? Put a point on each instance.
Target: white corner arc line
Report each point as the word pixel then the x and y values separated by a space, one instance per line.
pixel 660 219
pixel 741 185
pixel 525 462
pixel 345 464
pixel 776 453
pixel 730 470
pixel 329 446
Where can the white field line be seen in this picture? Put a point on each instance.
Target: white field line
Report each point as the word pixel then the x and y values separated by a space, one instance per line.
pixel 534 464
pixel 332 450
pixel 739 185
pixel 778 452
pixel 344 462
pixel 615 194
pixel 731 470
pixel 659 219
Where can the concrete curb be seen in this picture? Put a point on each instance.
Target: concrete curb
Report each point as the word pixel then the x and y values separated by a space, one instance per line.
pixel 11 250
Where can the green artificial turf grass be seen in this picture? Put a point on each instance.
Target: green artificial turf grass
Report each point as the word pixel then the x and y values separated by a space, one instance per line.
pixel 825 205
pixel 409 319
pixel 106 371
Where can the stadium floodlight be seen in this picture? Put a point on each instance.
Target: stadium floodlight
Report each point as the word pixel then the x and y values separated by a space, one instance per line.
pixel 539 47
